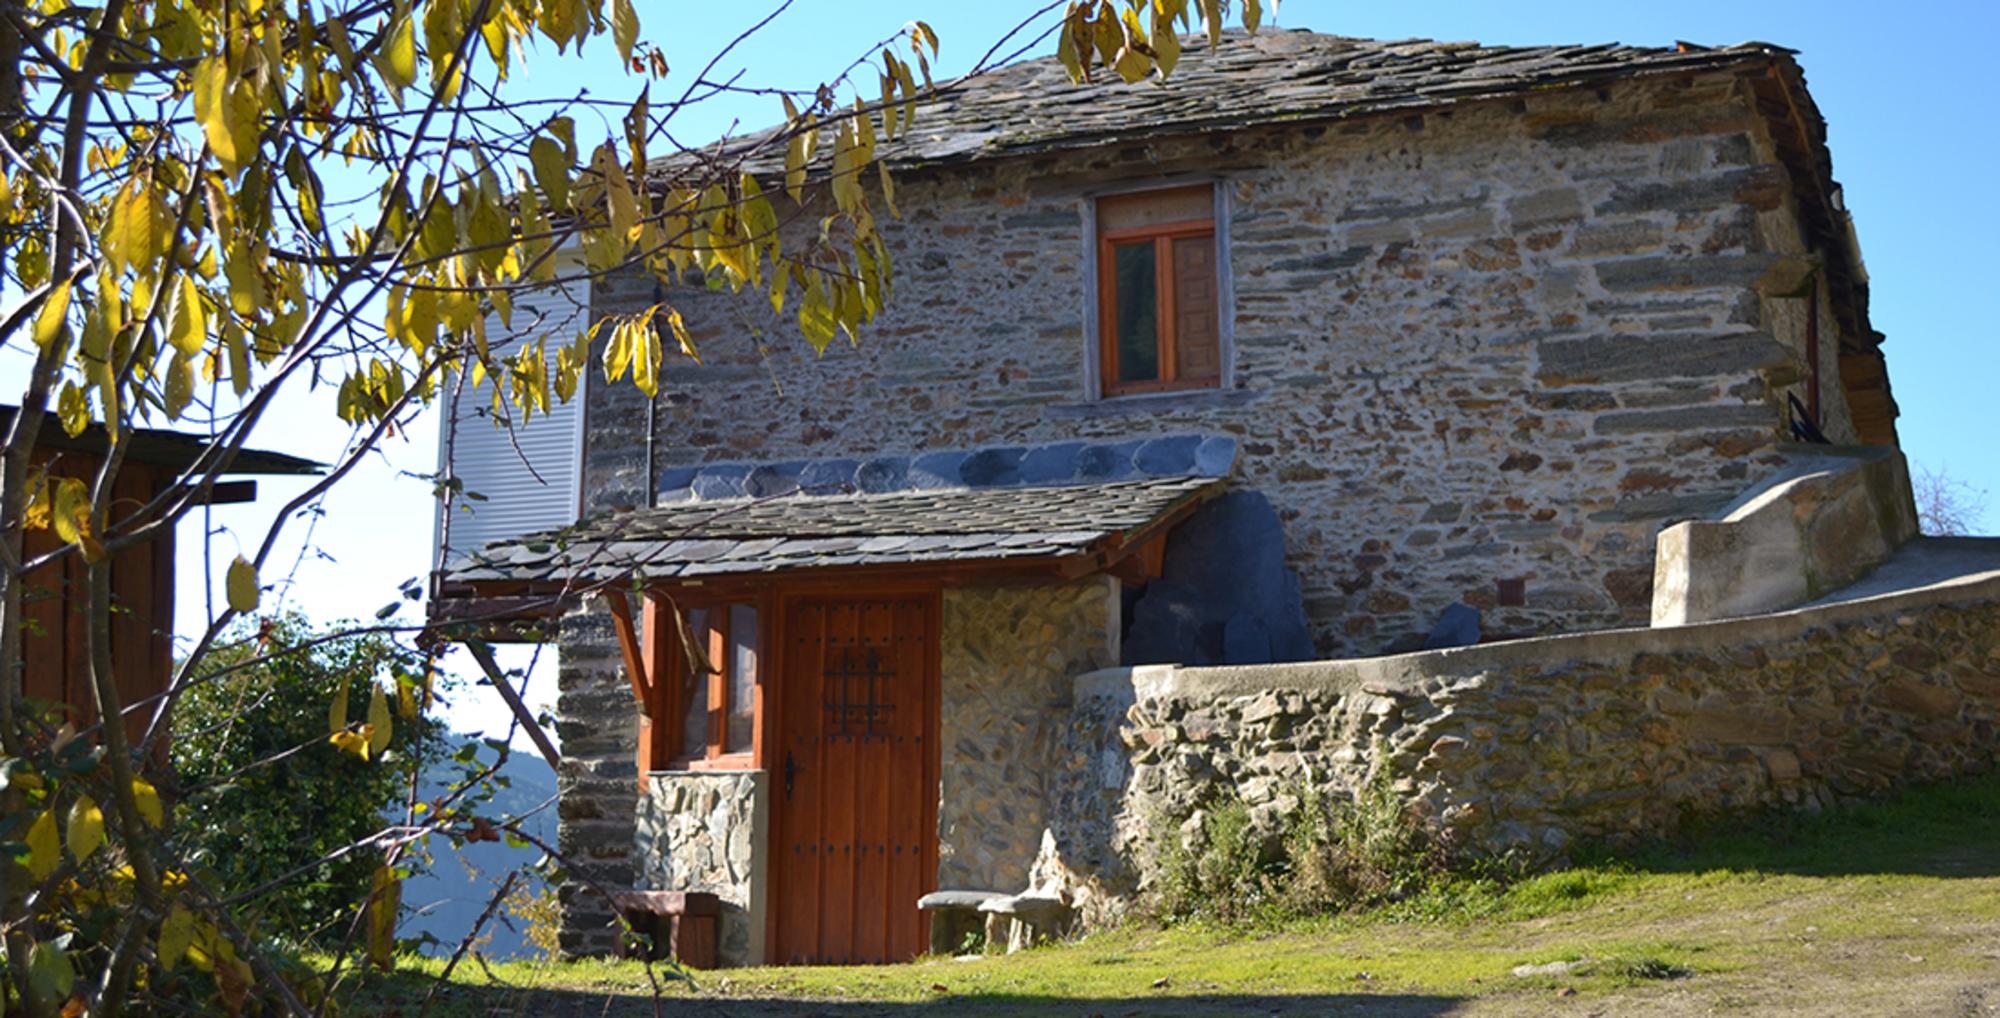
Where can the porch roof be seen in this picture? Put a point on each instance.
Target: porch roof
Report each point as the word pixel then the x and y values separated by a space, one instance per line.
pixel 738 536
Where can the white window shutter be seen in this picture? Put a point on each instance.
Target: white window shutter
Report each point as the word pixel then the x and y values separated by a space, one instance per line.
pixel 531 477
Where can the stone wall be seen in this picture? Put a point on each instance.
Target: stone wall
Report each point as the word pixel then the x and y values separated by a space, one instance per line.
pixel 1530 746
pixel 710 831
pixel 1504 342
pixel 1010 655
pixel 598 725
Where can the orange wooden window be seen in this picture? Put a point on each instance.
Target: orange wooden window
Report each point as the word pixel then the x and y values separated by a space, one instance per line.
pixel 1159 316
pixel 712 713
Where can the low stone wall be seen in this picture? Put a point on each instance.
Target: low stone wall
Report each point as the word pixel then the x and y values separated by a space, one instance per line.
pixel 709 831
pixel 1529 746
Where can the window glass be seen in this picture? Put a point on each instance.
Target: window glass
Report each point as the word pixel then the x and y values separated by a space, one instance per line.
pixel 694 691
pixel 1138 329
pixel 742 672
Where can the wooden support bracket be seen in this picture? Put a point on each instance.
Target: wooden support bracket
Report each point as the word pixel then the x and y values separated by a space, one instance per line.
pixel 628 644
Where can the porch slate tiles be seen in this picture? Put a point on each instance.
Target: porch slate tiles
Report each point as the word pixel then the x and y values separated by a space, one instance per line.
pixel 710 537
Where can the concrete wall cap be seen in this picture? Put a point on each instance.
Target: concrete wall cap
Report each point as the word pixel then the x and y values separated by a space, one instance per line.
pixel 1409 671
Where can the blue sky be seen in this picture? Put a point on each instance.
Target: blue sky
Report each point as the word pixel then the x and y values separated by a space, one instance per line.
pixel 1907 90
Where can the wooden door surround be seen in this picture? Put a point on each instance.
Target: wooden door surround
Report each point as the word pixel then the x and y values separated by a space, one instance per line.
pixel 854 778
pixel 846 729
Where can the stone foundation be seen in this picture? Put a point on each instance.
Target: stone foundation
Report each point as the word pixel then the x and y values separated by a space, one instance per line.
pixel 710 831
pixel 1529 747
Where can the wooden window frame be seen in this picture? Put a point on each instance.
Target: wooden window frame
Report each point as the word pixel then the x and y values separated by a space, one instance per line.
pixel 671 664
pixel 1165 308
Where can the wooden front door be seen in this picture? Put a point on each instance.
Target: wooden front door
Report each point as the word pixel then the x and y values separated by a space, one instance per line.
pixel 855 777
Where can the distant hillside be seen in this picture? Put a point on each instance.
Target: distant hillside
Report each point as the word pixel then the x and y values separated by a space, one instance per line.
pixel 446 901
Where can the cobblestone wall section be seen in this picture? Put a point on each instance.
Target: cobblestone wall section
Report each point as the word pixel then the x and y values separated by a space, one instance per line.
pixel 1010 656
pixel 708 832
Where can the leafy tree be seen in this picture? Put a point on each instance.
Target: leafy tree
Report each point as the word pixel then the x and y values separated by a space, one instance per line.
pixel 274 806
pixel 205 204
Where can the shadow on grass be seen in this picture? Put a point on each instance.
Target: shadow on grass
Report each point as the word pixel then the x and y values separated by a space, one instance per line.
pixel 1943 830
pixel 496 1002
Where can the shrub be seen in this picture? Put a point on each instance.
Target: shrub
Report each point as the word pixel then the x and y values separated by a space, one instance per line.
pixel 1211 865
pixel 1324 854
pixel 1365 850
pixel 264 790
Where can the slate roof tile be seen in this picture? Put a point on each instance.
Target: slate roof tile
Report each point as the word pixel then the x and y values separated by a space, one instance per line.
pixel 745 535
pixel 1276 75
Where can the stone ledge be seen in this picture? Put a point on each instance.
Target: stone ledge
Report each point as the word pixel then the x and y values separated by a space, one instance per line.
pixel 1407 673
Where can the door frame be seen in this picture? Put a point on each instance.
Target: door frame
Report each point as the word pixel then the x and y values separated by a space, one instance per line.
pixel 784 597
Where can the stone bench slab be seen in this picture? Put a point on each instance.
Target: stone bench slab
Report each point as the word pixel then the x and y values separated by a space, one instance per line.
pixel 937 900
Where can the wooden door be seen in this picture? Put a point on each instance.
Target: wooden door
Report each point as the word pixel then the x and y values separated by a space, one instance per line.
pixel 855 779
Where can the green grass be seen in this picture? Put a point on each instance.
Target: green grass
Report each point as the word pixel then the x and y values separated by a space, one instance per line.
pixel 1881 907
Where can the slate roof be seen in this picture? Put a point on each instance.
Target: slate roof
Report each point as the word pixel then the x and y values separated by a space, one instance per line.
pixel 746 535
pixel 1276 75
pixel 160 447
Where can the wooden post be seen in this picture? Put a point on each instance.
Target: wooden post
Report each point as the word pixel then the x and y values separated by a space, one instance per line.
pixel 484 655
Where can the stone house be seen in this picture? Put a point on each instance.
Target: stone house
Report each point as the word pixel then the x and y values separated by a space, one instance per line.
pixel 1276 361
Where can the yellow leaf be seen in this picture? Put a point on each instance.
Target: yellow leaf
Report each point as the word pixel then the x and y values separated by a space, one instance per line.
pixel 552 166
pixel 355 743
pixel 336 715
pixel 679 328
pixel 1166 44
pixel 378 726
pixel 1253 14
pixel 397 60
pixel 888 190
pixel 246 286
pixel 73 408
pixel 795 165
pixel 86 828
pixel 406 700
pixel 241 585
pixel 227 107
pixel 53 318
pixel 44 849
pixel 148 800
pixel 40 506
pixel 384 904
pixel 624 28
pixel 71 512
pixel 180 385
pixel 188 331
pixel 176 936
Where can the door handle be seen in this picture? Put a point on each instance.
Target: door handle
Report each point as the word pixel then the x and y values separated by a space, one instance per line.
pixel 791 772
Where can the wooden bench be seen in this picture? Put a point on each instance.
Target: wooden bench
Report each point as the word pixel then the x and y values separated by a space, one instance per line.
pixel 680 924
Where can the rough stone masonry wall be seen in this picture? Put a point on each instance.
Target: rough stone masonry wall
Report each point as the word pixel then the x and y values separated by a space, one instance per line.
pixel 1533 745
pixel 1010 656
pixel 598 725
pixel 1508 341
pixel 709 832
